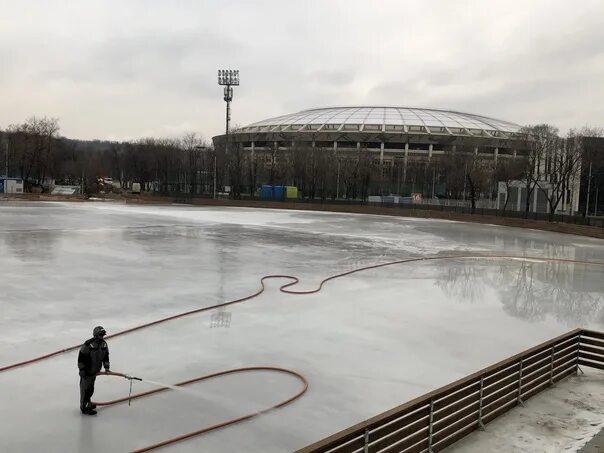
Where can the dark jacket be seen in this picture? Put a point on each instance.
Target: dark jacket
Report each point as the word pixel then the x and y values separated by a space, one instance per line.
pixel 94 353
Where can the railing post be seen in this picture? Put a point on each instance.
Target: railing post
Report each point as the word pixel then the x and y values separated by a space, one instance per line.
pixel 480 424
pixel 577 369
pixel 366 445
pixel 430 425
pixel 551 366
pixel 520 385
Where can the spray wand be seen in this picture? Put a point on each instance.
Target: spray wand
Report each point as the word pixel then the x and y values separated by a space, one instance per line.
pixel 131 378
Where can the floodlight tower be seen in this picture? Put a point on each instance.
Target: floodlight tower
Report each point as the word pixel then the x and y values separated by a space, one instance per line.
pixel 229 78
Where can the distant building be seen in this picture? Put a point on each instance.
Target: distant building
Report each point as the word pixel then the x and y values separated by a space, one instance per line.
pixel 517 194
pixel 11 185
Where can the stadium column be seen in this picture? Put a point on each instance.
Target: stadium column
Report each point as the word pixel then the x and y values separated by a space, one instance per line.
pixel 496 155
pixel 381 168
pixel 405 162
pixel 430 149
pixel 274 158
pixel 253 155
pixel 335 153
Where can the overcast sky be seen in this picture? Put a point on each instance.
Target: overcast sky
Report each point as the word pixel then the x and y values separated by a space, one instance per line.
pixel 128 69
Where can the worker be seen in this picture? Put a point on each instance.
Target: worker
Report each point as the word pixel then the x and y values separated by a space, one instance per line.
pixel 94 353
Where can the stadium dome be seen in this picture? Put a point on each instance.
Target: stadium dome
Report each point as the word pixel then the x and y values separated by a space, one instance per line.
pixel 399 150
pixel 385 119
pixel 390 133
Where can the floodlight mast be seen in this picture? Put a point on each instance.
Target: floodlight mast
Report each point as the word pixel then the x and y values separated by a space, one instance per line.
pixel 228 78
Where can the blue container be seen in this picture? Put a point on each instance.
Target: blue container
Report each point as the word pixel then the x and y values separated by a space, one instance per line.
pixel 266 192
pixel 279 192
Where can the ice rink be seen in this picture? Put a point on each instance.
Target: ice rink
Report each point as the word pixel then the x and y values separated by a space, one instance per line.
pixel 365 343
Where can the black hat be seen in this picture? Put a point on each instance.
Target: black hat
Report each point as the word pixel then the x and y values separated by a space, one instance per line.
pixel 99 332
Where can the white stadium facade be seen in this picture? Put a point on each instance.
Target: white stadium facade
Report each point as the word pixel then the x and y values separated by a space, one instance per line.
pixel 402 145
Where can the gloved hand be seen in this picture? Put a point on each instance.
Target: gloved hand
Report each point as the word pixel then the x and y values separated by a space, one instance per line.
pixel 82 373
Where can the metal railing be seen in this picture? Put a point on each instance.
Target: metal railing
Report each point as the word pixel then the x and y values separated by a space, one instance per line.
pixel 437 419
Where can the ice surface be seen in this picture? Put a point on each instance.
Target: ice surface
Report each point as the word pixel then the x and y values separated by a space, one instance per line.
pixel 367 342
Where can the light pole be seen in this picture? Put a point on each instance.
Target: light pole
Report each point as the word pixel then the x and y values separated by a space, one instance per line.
pixel 338 181
pixel 588 192
pixel 228 78
pixel 6 163
pixel 214 196
pixel 597 186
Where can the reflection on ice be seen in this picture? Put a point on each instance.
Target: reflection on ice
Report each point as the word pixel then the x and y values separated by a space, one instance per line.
pixel 220 318
pixel 529 289
pixel 32 245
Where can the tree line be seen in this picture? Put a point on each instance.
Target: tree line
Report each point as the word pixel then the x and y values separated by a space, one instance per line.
pixel 35 152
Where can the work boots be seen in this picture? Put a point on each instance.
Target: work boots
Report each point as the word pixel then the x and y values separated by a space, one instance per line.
pixel 89 409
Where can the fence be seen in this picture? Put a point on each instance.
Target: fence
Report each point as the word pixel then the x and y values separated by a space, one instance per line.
pixel 463 209
pixel 438 419
pixel 563 218
pixel 457 206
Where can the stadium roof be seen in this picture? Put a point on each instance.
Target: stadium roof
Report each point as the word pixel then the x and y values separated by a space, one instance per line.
pixel 386 119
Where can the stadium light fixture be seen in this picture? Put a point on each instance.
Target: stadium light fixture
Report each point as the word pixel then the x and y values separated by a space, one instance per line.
pixel 228 77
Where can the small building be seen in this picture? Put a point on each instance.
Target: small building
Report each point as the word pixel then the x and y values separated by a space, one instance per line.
pixel 538 201
pixel 65 190
pixel 11 185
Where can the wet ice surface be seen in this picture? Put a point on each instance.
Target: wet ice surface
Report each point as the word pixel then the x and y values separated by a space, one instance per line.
pixel 367 342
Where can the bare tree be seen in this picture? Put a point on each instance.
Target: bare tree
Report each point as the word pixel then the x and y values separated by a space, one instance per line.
pixel 562 165
pixel 539 141
pixel 236 171
pixel 32 144
pixel 464 168
pixel 593 167
pixel 506 171
pixel 191 144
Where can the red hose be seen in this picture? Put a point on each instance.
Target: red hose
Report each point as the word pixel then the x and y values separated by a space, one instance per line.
pixel 285 289
pixel 223 424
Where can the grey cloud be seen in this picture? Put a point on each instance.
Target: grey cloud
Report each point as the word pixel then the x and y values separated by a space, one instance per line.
pixel 175 63
pixel 545 64
pixel 332 77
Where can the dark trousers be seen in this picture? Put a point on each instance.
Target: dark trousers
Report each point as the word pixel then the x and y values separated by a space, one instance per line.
pixel 86 390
